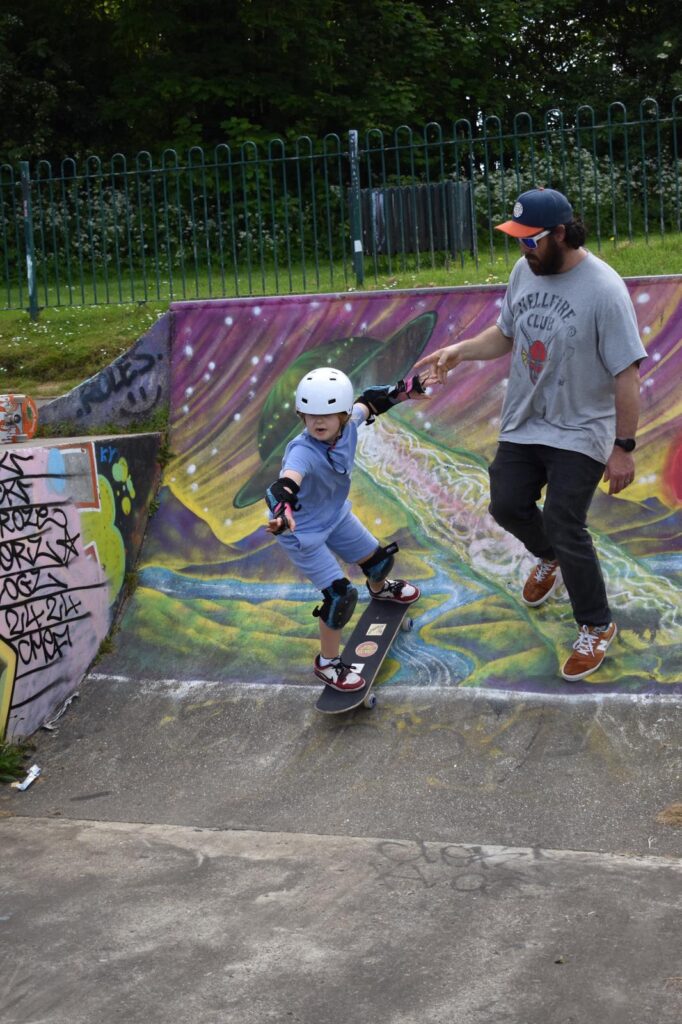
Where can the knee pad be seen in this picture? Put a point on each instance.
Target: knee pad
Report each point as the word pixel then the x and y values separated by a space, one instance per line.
pixel 338 605
pixel 380 564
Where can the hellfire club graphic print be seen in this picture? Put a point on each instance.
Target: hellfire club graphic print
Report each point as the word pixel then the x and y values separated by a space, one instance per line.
pixel 534 358
pixel 542 313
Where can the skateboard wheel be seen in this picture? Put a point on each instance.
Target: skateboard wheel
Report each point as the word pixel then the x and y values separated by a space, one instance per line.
pixel 370 701
pixel 407 624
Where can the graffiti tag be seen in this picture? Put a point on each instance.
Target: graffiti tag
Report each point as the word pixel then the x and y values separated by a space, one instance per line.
pixel 119 376
pixel 44 571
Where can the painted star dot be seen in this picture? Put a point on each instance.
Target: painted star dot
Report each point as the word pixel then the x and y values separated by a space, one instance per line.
pixel 643 298
pixel 191 469
pixel 228 321
pixel 211 366
pixel 255 360
pixel 189 351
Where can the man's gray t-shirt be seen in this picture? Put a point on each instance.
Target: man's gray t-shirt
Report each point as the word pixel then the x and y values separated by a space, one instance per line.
pixel 573 332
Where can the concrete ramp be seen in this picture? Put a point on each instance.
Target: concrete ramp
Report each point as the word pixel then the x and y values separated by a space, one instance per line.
pixel 218 602
pixel 464 853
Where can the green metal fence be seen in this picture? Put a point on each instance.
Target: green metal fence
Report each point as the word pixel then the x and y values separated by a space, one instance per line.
pixel 323 215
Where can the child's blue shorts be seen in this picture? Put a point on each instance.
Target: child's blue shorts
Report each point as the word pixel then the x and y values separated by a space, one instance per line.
pixel 313 552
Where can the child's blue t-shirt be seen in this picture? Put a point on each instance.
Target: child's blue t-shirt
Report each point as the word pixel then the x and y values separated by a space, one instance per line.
pixel 326 471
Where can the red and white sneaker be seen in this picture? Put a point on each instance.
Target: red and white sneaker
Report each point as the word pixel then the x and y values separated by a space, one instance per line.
pixel 338 675
pixel 396 590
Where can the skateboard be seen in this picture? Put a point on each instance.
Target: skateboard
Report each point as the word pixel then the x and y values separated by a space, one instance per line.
pixel 367 647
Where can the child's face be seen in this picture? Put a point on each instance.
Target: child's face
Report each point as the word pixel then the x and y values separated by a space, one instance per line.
pixel 324 428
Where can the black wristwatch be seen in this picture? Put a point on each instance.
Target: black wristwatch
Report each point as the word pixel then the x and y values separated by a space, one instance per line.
pixel 628 444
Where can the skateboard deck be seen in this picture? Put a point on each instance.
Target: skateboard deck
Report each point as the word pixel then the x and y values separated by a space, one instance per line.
pixel 366 649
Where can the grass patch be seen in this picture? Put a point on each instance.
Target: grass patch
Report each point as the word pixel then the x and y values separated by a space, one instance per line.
pixel 106 647
pixel 155 423
pixel 65 346
pixel 13 757
pixel 68 344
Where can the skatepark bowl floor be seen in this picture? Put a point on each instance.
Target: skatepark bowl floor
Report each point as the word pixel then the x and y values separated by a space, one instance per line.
pixel 489 845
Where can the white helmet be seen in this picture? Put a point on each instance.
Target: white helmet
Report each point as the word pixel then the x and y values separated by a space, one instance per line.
pixel 323 391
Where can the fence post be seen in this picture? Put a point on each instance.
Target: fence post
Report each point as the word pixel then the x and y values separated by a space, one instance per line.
pixel 355 208
pixel 28 239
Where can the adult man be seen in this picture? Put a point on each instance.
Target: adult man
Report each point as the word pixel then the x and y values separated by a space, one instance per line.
pixel 571 409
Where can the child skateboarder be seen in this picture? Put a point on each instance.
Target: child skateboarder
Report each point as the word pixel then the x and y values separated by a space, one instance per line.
pixel 314 484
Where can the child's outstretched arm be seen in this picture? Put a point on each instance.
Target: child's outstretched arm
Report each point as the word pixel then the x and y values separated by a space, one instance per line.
pixel 281 500
pixel 379 399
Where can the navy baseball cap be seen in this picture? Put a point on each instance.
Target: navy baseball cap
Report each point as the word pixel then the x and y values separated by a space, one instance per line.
pixel 535 210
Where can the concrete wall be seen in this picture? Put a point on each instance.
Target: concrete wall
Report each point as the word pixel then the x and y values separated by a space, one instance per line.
pixel 218 600
pixel 72 518
pixel 128 391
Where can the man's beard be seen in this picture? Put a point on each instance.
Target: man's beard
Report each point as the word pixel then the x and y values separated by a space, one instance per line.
pixel 551 263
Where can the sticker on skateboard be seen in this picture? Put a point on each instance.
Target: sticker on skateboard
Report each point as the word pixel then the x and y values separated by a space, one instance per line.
pixel 380 621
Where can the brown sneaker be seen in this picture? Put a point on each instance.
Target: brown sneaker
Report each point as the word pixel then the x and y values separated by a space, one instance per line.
pixel 541 583
pixel 588 651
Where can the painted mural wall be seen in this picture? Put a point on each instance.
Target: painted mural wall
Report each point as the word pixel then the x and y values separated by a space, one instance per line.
pixel 72 519
pixel 218 601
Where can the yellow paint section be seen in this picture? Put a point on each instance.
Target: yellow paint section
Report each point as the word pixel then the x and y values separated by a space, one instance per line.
pixel 8 667
pixel 99 527
pixel 121 474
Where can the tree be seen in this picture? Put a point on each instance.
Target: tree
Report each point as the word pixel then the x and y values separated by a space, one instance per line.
pixel 126 75
pixel 53 65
